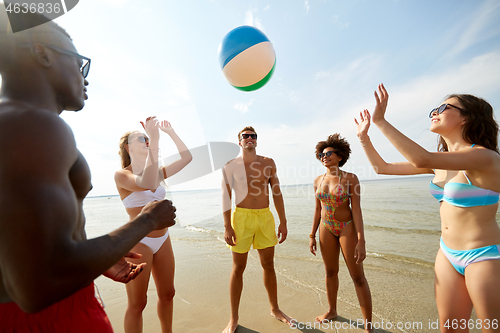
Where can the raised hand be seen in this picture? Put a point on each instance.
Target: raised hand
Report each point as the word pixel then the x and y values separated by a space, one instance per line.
pixel 125 271
pixel 166 127
pixel 381 99
pixel 151 127
pixel 161 213
pixel 363 125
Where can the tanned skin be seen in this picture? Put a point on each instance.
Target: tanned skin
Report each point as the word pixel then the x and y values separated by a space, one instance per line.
pixel 251 177
pixel 45 255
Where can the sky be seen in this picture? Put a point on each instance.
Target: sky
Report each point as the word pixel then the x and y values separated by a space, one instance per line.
pixel 160 58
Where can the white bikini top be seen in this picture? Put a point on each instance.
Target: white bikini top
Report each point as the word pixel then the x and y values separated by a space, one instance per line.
pixel 141 198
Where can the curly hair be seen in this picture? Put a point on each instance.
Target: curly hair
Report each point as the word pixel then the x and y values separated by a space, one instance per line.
pixel 339 144
pixel 480 126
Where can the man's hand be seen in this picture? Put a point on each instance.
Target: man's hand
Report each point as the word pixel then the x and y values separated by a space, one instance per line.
pixel 282 232
pixel 230 236
pixel 125 271
pixel 162 213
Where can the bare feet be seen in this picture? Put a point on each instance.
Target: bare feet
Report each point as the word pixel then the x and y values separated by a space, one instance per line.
pixel 283 318
pixel 231 327
pixel 326 317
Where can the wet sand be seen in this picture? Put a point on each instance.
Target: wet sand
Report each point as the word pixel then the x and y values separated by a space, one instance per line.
pixel 402 293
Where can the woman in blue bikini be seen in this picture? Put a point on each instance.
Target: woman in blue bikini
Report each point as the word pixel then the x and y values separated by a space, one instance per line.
pixel 466 182
pixel 139 183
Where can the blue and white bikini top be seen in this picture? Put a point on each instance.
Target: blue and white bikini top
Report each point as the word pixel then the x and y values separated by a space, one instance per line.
pixel 464 195
pixel 141 198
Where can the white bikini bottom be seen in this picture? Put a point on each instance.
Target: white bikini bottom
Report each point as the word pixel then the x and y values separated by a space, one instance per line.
pixel 154 243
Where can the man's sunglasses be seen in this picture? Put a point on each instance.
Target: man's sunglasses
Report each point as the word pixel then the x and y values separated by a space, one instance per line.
pixel 85 65
pixel 247 135
pixel 441 109
pixel 327 154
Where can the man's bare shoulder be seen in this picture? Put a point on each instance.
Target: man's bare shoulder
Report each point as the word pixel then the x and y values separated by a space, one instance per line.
pixel 266 160
pixel 234 162
pixel 14 114
pixel 35 132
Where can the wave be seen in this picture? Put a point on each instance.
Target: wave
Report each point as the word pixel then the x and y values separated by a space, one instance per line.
pixel 199 229
pixel 403 231
pixel 399 258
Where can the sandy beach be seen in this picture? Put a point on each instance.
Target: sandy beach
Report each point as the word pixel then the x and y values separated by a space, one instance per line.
pixel 402 239
pixel 402 294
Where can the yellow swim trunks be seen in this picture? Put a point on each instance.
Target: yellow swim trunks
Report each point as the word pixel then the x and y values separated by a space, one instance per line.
pixel 253 227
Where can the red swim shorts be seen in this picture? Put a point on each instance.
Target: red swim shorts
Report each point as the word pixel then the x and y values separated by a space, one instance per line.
pixel 78 313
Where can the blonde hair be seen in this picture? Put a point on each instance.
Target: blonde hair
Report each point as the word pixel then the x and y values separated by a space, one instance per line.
pixel 123 150
pixel 126 161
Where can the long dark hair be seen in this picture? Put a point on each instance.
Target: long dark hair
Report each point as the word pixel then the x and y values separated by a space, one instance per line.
pixel 480 125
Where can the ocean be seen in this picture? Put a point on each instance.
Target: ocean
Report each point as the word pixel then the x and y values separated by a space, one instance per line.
pixel 401 218
pixel 402 230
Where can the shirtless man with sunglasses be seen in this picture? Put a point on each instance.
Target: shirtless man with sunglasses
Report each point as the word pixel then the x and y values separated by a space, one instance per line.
pixel 252 223
pixel 47 264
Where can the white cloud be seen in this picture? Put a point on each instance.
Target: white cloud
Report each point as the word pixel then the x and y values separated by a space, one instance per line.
pixel 292 95
pixel 243 107
pixel 321 75
pixel 267 7
pixel 339 22
pixel 307 6
pixel 249 17
pixel 483 25
pixel 253 21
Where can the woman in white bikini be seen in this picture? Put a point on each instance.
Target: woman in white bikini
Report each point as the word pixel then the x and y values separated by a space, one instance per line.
pixel 139 183
pixel 466 182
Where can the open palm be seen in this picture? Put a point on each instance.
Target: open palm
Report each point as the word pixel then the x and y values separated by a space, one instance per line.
pixel 363 124
pixel 166 127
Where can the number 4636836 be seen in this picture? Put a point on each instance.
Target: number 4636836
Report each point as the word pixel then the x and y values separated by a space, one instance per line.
pixel 40 8
pixel 471 323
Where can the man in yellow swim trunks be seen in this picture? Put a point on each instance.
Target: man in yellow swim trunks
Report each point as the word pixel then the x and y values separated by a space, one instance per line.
pixel 251 177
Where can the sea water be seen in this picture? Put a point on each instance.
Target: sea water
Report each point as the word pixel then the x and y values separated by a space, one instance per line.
pixel 402 230
pixel 401 219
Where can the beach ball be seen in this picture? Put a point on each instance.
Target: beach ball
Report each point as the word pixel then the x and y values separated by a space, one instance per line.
pixel 247 58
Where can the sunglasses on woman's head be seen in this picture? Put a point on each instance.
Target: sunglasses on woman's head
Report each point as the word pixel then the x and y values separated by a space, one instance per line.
pixel 327 154
pixel 441 109
pixel 247 135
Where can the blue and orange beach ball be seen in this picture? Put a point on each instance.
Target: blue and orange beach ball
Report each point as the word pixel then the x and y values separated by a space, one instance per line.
pixel 247 58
